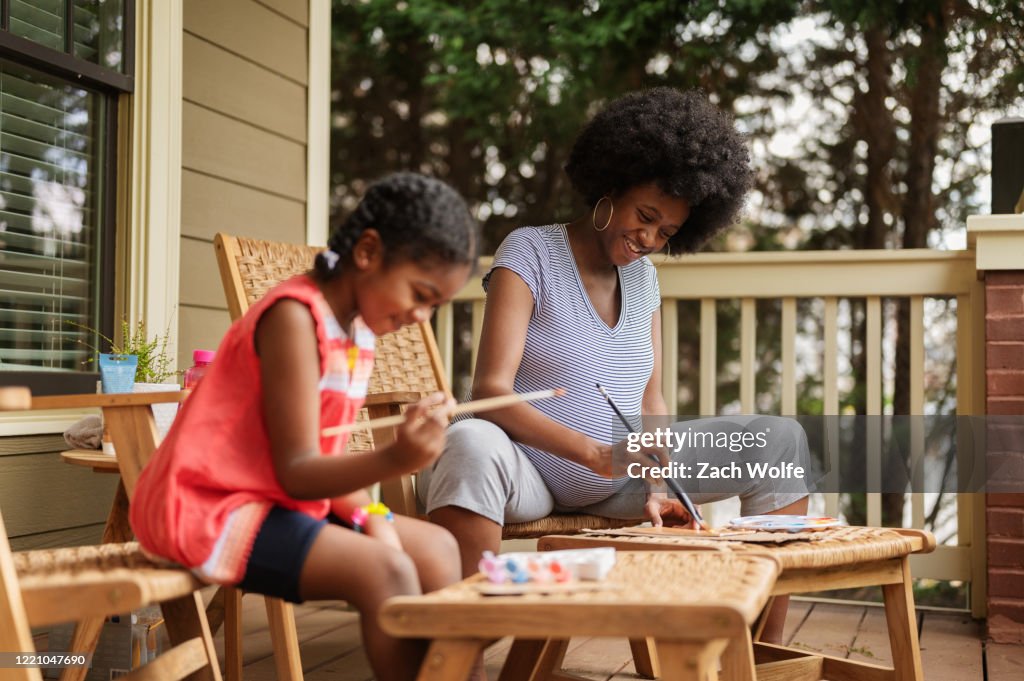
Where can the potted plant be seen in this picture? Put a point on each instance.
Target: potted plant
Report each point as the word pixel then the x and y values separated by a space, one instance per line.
pixel 153 366
pixel 155 363
pixel 117 371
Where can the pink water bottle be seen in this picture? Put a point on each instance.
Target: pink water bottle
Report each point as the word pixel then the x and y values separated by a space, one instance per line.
pixel 200 363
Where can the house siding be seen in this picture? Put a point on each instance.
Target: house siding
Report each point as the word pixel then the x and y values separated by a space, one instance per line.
pixel 244 77
pixel 45 501
pixel 244 100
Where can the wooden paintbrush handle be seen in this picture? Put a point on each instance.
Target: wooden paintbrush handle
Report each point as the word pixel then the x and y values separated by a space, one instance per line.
pixel 484 404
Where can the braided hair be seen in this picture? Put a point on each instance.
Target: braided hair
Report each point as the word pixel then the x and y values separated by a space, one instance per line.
pixel 418 218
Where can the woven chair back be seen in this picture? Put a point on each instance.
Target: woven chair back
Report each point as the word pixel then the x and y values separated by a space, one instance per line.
pixel 406 360
pixel 262 265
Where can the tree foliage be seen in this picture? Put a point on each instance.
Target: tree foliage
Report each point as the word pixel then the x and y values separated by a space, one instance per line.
pixel 489 95
pixel 868 118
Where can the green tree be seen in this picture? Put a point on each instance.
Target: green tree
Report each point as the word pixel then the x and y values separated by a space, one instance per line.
pixel 489 95
pixel 896 162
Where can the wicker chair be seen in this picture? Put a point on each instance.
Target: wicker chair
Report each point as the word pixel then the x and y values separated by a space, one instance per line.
pixel 83 585
pixel 407 365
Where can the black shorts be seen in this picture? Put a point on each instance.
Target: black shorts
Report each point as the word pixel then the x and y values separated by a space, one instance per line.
pixel 280 551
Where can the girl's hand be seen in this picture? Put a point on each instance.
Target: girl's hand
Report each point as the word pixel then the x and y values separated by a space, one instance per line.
pixel 661 510
pixel 383 529
pixel 420 439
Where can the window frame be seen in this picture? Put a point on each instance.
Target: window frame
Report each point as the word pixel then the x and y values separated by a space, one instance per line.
pixel 109 85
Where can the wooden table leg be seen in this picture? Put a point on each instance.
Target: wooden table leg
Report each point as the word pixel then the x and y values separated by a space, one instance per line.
pixel 902 622
pixel 522 658
pixel 232 620
pixel 118 529
pixel 215 610
pixel 550 663
pixel 762 619
pixel 645 658
pixel 185 619
pixel 450 659
pixel 285 639
pixel 738 658
pixel 83 640
pixel 688 660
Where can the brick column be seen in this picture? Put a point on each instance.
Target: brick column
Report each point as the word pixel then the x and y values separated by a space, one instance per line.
pixel 999 243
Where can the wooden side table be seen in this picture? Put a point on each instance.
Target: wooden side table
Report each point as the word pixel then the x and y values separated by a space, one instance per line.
pixel 117 528
pixel 698 608
pixel 842 557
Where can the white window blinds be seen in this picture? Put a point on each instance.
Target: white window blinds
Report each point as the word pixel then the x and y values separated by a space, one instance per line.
pixel 50 160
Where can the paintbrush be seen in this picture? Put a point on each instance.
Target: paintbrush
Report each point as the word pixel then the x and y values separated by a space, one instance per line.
pixel 671 482
pixel 484 404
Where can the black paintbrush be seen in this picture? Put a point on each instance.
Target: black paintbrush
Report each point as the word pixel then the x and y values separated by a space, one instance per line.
pixel 671 482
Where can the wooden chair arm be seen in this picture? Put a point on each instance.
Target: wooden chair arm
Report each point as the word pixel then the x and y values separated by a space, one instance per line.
pixel 20 399
pixel 15 399
pixel 108 400
pixel 395 397
pixel 926 538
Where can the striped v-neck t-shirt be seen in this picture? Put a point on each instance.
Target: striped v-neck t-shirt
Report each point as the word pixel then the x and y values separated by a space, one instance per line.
pixel 568 345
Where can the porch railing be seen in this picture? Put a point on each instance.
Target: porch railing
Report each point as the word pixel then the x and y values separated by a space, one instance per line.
pixel 828 277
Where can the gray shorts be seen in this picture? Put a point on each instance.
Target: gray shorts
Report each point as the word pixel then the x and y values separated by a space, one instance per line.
pixel 484 471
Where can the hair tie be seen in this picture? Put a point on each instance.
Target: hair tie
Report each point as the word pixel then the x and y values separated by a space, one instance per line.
pixel 331 258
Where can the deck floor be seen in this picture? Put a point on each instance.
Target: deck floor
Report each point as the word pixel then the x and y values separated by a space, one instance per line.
pixel 952 647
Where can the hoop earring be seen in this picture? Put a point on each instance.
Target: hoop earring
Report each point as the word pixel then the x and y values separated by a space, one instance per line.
pixel 611 212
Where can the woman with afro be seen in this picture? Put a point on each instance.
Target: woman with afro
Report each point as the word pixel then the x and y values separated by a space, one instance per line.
pixel 570 305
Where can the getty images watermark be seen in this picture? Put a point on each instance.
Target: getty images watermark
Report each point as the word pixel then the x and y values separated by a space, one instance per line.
pixel 834 454
pixel 685 438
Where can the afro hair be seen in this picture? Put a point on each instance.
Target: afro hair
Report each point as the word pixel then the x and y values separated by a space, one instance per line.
pixel 677 140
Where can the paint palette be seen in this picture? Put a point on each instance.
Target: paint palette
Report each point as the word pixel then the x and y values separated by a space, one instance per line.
pixel 784 523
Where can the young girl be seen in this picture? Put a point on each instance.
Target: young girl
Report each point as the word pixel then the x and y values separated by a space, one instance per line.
pixel 245 491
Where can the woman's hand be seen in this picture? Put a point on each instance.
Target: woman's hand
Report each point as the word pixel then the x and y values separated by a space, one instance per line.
pixel 420 439
pixel 612 461
pixel 661 510
pixel 379 527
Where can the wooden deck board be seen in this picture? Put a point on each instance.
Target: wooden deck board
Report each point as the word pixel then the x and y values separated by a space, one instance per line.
pixel 312 622
pixel 336 636
pixel 795 616
pixel 951 648
pixel 1004 661
pixel 829 629
pixel 871 643
pixel 348 665
pixel 951 644
pixel 600 659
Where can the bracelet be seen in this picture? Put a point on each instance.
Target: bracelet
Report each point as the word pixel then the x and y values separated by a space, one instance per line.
pixel 363 513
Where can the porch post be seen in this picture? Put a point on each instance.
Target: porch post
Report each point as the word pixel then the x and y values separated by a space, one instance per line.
pixel 999 247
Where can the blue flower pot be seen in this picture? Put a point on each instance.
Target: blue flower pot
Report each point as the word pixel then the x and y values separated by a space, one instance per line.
pixel 117 372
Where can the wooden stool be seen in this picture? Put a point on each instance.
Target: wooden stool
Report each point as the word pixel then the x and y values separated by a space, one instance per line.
pixel 697 607
pixel 840 558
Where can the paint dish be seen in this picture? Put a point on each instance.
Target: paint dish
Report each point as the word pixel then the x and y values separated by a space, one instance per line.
pixel 784 523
